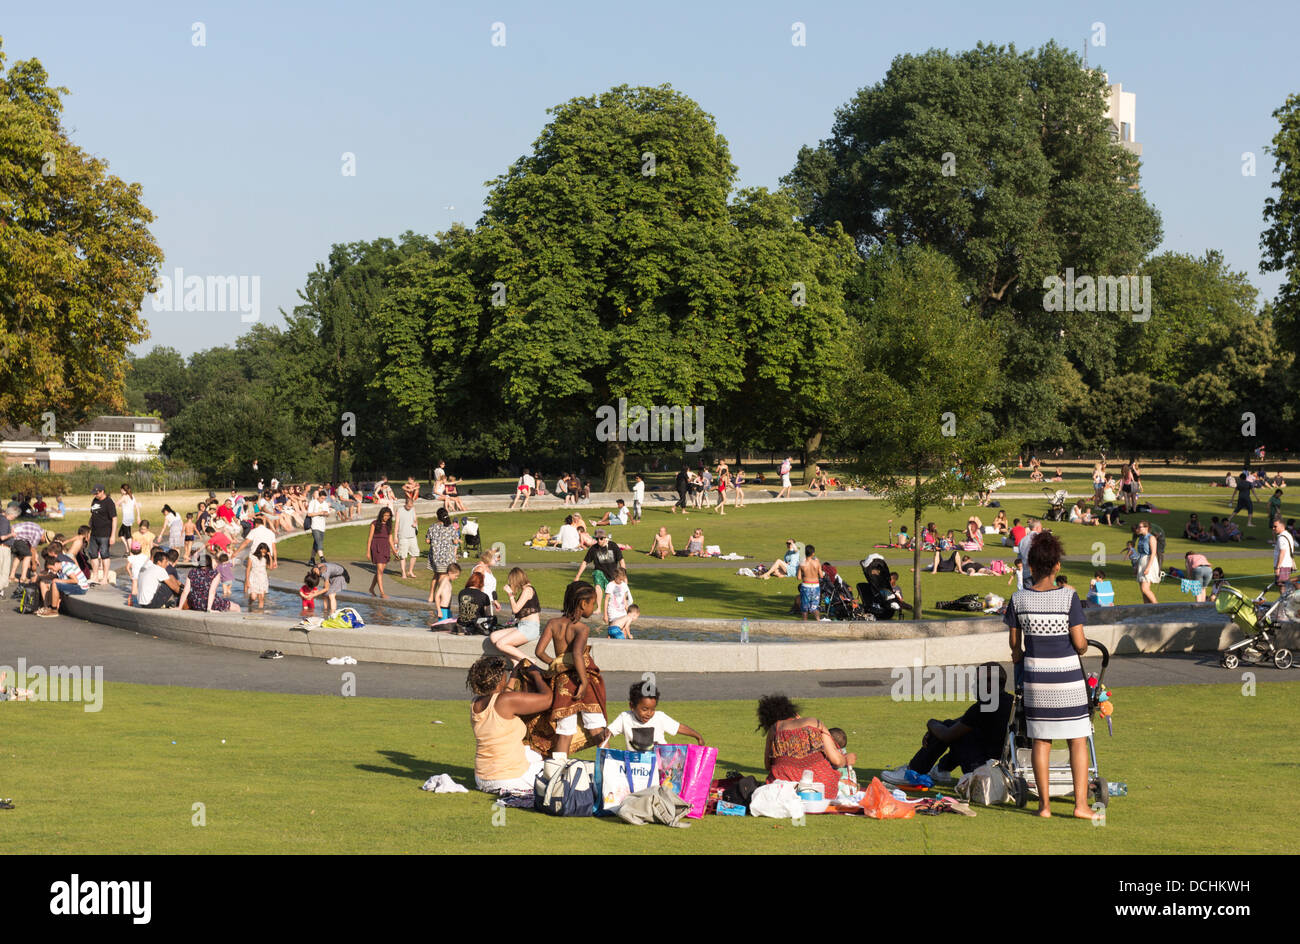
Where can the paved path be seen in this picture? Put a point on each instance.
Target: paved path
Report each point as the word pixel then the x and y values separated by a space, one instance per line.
pixel 135 657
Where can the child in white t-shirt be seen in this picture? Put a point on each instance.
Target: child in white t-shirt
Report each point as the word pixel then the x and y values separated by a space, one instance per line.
pixel 618 597
pixel 134 561
pixel 643 725
pixel 638 496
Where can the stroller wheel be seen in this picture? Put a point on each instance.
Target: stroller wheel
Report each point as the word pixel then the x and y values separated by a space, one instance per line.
pixel 1282 659
pixel 1101 791
pixel 1020 792
pixel 1229 660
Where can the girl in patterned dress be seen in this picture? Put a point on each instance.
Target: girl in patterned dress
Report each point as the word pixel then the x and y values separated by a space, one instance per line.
pixel 255 581
pixel 1046 630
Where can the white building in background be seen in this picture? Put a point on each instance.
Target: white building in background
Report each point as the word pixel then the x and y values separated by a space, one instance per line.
pixel 1121 112
pixel 100 442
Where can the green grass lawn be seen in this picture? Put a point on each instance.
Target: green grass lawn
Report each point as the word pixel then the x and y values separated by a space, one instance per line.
pixel 313 774
pixel 841 531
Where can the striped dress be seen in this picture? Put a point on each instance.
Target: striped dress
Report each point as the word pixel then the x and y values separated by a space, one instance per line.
pixel 1056 696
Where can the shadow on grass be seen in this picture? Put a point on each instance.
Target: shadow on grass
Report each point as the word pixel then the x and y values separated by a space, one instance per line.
pixel 411 767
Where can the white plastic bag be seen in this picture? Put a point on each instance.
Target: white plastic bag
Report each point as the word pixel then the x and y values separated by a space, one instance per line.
pixel 985 785
pixel 777 800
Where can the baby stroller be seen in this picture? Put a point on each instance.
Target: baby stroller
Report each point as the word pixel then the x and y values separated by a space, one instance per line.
pixel 875 593
pixel 1056 504
pixel 837 598
pixel 1017 757
pixel 470 536
pixel 1258 619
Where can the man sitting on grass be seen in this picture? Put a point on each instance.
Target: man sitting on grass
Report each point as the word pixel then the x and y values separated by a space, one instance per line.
pixel 969 742
pixel 616 517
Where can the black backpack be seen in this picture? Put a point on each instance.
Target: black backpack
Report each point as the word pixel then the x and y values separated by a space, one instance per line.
pixel 740 789
pixel 970 603
pixel 28 598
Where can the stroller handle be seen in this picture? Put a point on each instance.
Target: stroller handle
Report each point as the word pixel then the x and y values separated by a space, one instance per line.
pixel 1105 653
pixel 1101 676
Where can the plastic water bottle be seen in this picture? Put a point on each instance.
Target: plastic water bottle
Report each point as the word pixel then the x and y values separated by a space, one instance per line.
pixel 1117 789
pixel 744 629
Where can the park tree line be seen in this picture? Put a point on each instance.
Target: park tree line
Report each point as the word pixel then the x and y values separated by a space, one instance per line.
pixel 894 280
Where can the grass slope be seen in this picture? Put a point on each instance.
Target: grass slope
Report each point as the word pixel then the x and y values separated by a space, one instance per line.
pixel 315 774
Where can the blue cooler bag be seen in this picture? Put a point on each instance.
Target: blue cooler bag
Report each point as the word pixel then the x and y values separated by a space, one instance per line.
pixel 566 791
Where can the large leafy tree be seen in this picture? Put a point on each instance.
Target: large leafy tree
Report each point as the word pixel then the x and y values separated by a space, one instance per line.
pixel 1280 242
pixel 340 304
pixel 1185 377
pixel 443 398
pixel 930 362
pixel 614 249
pixel 789 305
pixel 76 258
pixel 1004 162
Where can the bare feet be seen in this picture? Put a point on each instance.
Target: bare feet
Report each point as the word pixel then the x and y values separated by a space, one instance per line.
pixel 1083 812
pixel 1044 812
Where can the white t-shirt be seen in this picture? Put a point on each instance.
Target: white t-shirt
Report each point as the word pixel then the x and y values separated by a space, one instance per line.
pixel 568 538
pixel 261 535
pixel 134 562
pixel 320 514
pixel 406 523
pixel 439 473
pixel 638 492
pixel 1284 551
pixel 643 736
pixel 342 493
pixel 619 596
pixel 489 582
pixel 529 482
pixel 151 576
pixel 621 515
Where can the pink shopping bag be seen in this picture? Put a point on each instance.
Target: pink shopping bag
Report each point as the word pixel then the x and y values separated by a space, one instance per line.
pixel 698 778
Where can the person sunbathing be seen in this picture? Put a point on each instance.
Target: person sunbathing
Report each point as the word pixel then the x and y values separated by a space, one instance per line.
pixel 787 565
pixel 662 547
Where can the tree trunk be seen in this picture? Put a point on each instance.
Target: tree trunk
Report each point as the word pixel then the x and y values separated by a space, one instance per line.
pixel 916 553
pixel 338 456
pixel 811 449
pixel 615 475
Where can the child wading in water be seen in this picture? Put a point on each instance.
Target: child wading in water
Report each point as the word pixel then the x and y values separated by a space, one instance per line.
pixel 576 681
pixel 442 588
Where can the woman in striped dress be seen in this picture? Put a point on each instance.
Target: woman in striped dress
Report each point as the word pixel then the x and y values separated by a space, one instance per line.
pixel 1046 624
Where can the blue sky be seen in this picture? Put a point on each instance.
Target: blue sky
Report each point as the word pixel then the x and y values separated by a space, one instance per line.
pixel 238 144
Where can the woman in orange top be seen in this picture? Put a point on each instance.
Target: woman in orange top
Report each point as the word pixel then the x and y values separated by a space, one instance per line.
pixel 502 762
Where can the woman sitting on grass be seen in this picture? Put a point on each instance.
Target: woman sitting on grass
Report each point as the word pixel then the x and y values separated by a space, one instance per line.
pixel 1000 523
pixel 502 762
pixel 662 546
pixel 795 744
pixel 695 546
